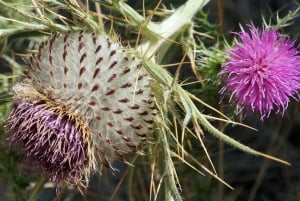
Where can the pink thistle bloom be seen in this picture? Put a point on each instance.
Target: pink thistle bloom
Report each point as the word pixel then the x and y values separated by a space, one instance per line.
pixel 262 72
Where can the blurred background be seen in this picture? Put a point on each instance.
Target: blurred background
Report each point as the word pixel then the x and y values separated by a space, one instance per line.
pixel 253 178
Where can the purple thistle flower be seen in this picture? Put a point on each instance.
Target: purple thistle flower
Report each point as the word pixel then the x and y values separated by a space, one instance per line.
pixel 262 72
pixel 47 138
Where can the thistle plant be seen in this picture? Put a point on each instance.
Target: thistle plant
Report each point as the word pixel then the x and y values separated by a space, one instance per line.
pixel 89 96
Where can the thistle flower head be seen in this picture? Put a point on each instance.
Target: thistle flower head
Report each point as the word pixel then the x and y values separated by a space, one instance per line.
pixel 263 71
pixel 84 101
pixel 50 139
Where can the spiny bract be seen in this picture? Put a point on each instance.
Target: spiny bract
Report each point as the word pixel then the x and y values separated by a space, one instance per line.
pixel 85 100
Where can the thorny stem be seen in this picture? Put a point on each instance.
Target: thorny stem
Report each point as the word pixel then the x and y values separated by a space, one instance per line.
pixel 163 77
pixel 172 192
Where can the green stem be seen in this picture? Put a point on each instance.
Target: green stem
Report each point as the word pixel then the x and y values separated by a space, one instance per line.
pixel 130 184
pixel 158 34
pixel 171 188
pixel 38 187
pixel 171 27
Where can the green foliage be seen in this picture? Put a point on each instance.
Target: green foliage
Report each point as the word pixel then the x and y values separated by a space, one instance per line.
pixel 209 62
